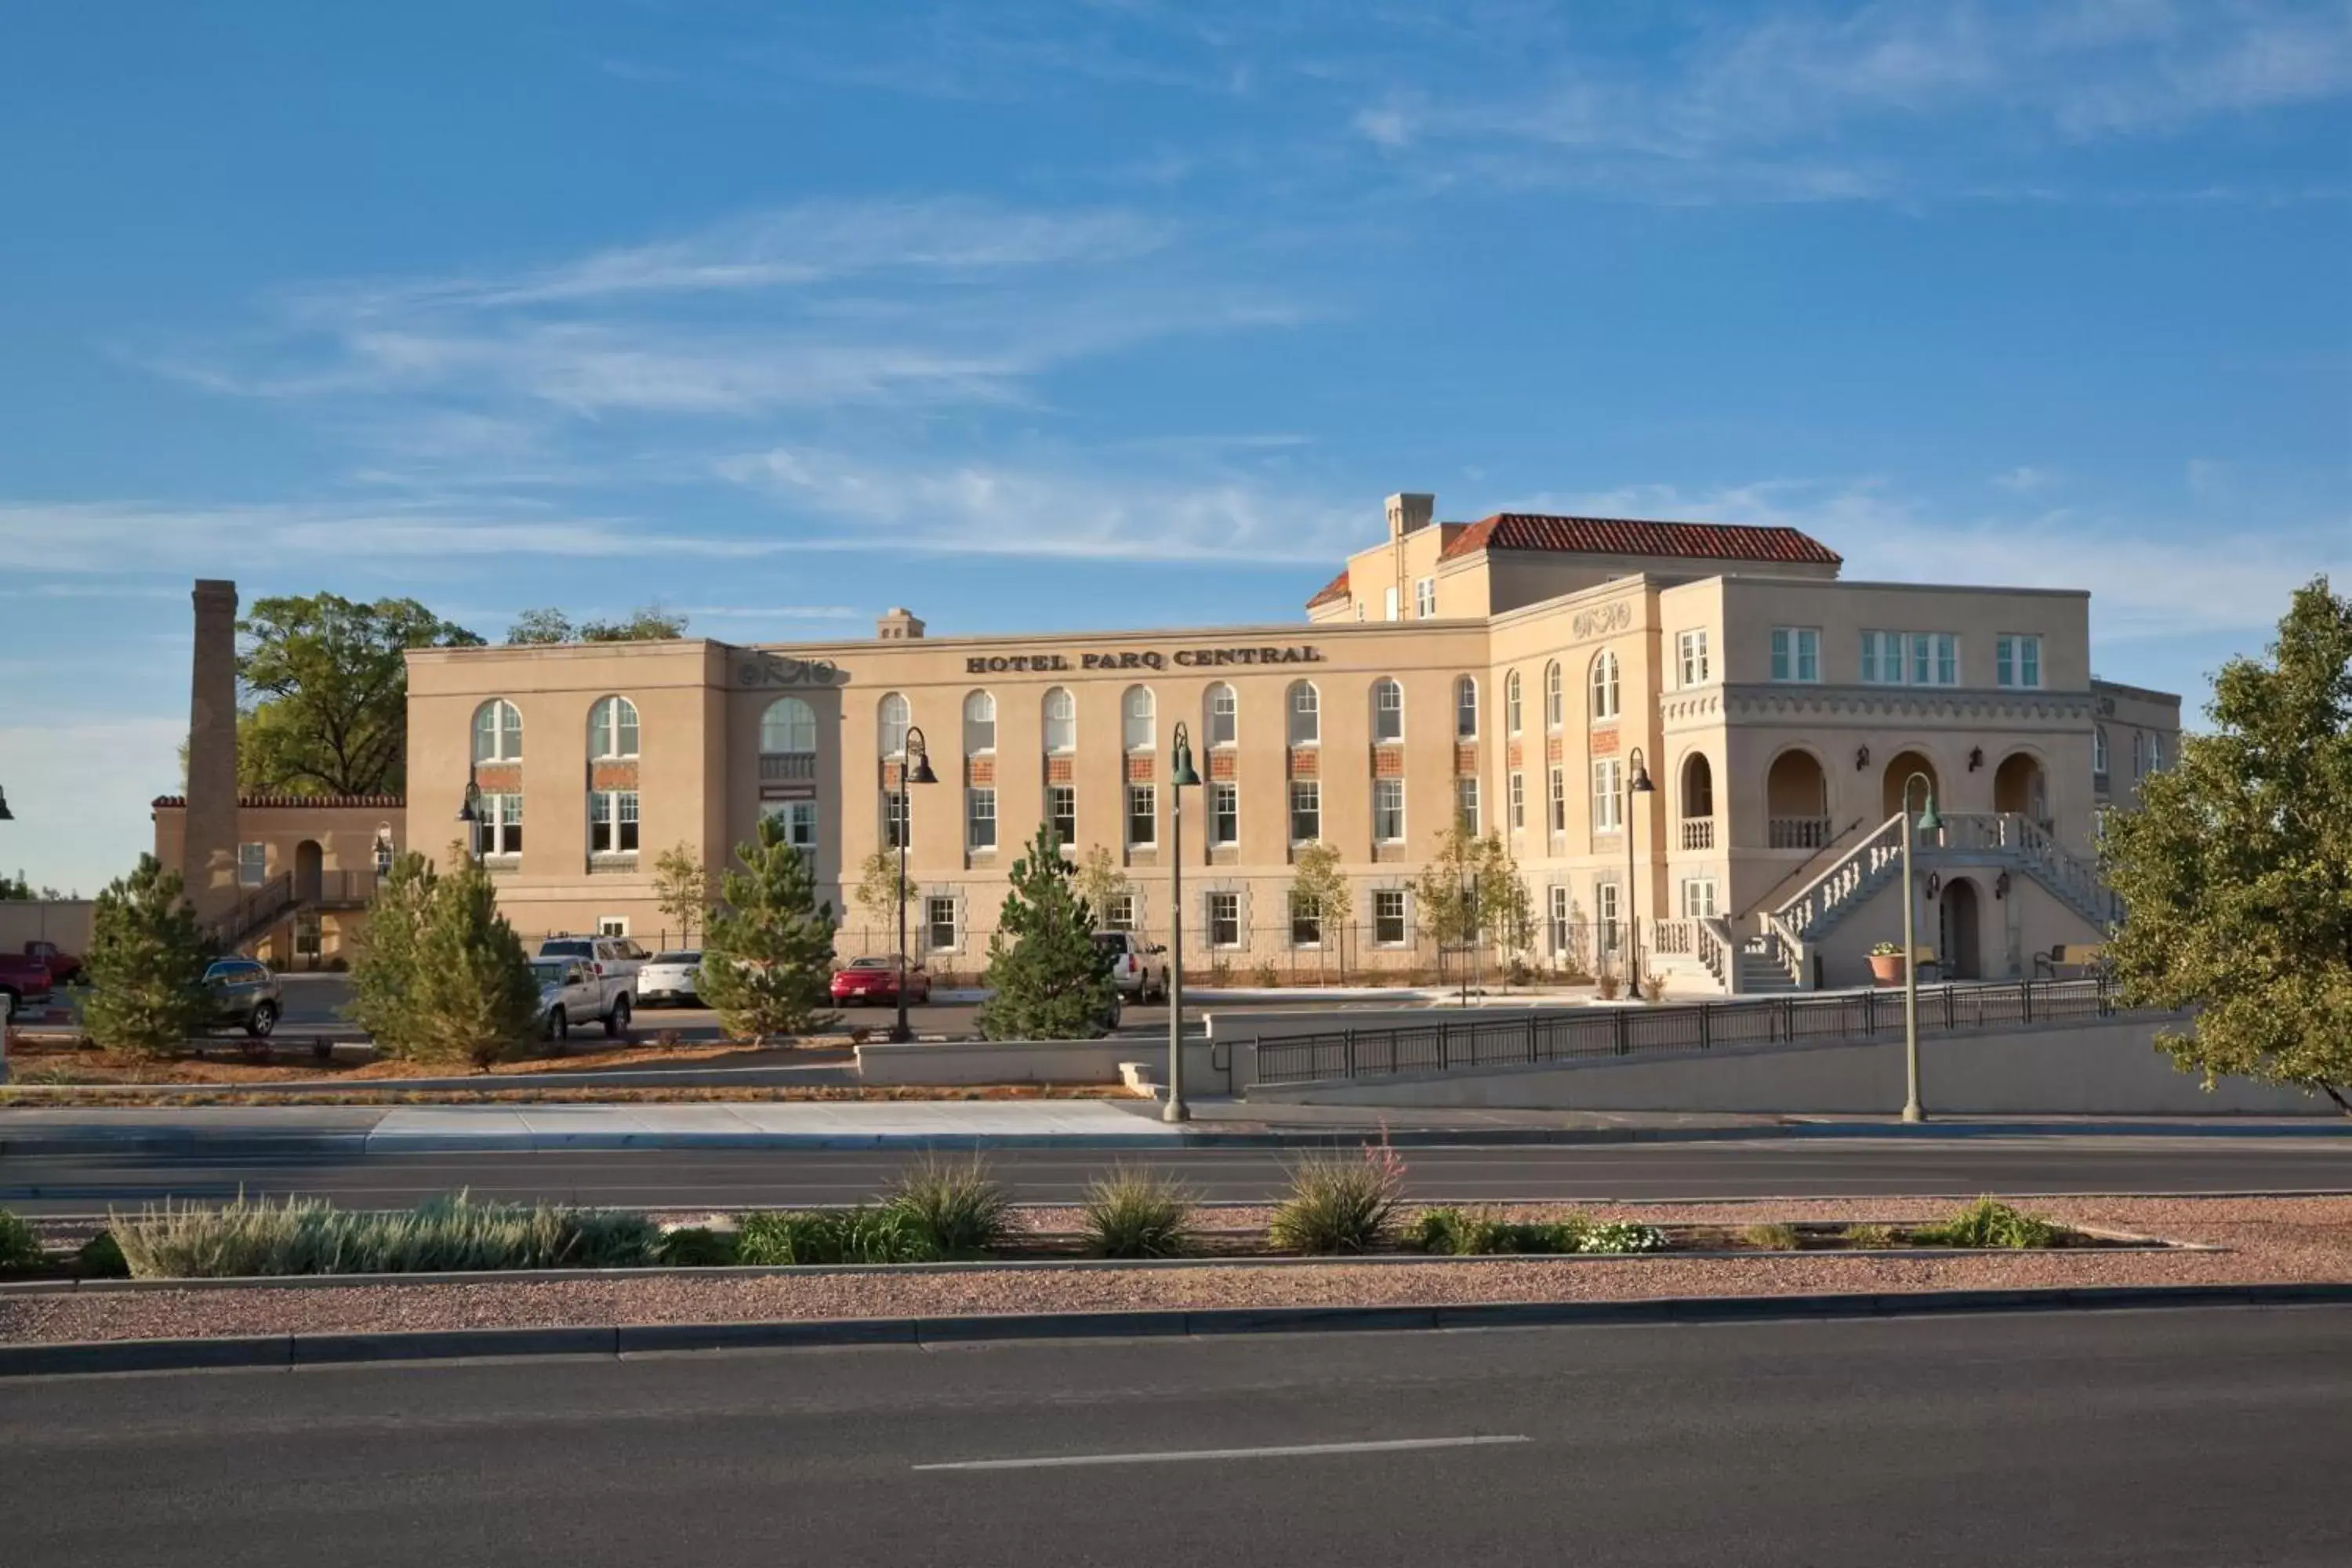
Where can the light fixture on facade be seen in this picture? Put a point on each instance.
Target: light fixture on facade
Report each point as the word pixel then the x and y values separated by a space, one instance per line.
pixel 1976 758
pixel 6 814
pixel 1860 757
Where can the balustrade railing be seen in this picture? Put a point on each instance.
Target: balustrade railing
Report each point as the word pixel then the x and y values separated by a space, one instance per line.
pixel 1698 832
pixel 787 767
pixel 1797 832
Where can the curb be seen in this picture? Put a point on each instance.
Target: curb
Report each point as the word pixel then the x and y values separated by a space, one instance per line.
pixel 287 1351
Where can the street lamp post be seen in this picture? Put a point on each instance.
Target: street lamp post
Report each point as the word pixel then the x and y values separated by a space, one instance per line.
pixel 1180 775
pixel 914 768
pixel 1637 782
pixel 7 1003
pixel 1928 823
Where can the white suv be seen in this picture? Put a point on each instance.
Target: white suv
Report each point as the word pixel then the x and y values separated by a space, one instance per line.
pixel 1138 968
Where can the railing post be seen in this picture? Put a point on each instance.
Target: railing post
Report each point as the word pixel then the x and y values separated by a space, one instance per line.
pixel 1618 1019
pixel 1788 1017
pixel 1705 1029
pixel 2025 1002
pixel 1532 1023
pixel 1350 1038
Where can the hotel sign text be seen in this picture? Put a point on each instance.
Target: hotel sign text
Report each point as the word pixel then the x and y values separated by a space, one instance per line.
pixel 1132 658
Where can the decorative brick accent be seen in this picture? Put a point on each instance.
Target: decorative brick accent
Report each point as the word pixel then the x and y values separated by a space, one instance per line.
pixel 1388 761
pixel 1059 770
pixel 1519 754
pixel 506 779
pixel 1466 762
pixel 1306 763
pixel 890 772
pixel 1223 765
pixel 612 775
pixel 1604 741
pixel 979 770
pixel 1555 749
pixel 1139 769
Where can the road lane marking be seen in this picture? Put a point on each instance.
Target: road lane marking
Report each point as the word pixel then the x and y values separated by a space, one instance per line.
pixel 1183 1456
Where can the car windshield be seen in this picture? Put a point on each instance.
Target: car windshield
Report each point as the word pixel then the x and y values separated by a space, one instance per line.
pixel 677 958
pixel 554 948
pixel 549 971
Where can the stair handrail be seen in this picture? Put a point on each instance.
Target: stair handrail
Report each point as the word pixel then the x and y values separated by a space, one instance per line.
pixel 1719 951
pixel 2038 851
pixel 1799 868
pixel 1794 951
pixel 1804 911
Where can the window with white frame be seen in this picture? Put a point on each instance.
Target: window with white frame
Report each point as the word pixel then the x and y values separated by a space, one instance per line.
pixel 1388 810
pixel 1698 898
pixel 1224 716
pixel 1306 811
pixel 1559 800
pixel 498 824
pixel 1389 603
pixel 894 819
pixel 1514 709
pixel 1465 805
pixel 1306 713
pixel 1224 815
pixel 798 820
pixel 612 925
pixel 613 821
pixel 2017 661
pixel 979 723
pixel 1061 720
pixel 1388 711
pixel 2099 750
pixel 1306 921
pixel 1424 599
pixel 1062 807
pixel 1555 698
pixel 893 717
pixel 1606 801
pixel 1225 920
pixel 788 728
pixel 1142 817
pixel 2139 756
pixel 1605 908
pixel 2155 754
pixel 1796 653
pixel 1606 696
pixel 1138 718
pixel 1518 792
pixel 252 865
pixel 1389 927
pixel 1465 708
pixel 613 728
pixel 980 819
pixel 1691 660
pixel 939 924
pixel 1910 658
pixel 1118 912
pixel 1562 912
pixel 497 731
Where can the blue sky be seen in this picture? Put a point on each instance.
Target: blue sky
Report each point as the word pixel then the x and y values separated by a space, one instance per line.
pixel 1056 315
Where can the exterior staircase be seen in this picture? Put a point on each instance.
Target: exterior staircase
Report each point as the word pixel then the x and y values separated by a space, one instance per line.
pixel 259 911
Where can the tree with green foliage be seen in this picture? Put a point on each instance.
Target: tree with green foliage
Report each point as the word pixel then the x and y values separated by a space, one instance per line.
pixel 767 961
pixel 1098 879
pixel 1317 887
pixel 650 624
pixel 475 997
pixel 328 680
pixel 1471 892
pixel 16 889
pixel 879 892
pixel 682 887
pixel 384 958
pixel 146 964
pixel 2236 867
pixel 1049 980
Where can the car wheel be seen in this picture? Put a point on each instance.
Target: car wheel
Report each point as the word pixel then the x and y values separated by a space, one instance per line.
pixel 559 1027
pixel 617 1021
pixel 261 1020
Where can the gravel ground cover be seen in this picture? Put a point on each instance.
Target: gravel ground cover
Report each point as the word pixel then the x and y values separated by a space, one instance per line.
pixel 2264 1240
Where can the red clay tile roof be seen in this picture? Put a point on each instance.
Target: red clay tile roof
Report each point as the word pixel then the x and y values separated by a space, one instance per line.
pixel 1337 588
pixel 1623 536
pixel 261 802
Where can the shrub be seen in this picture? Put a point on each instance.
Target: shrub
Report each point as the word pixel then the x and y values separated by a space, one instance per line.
pixel 1870 1237
pixel 1340 1204
pixel 19 1247
pixel 100 1257
pixel 1988 1222
pixel 1480 1232
pixel 956 1206
pixel 307 1235
pixel 860 1235
pixel 1139 1213
pixel 1605 988
pixel 1776 1237
pixel 1621 1236
pixel 697 1247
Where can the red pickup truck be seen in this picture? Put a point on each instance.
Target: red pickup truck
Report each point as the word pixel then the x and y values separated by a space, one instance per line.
pixel 23 983
pixel 63 965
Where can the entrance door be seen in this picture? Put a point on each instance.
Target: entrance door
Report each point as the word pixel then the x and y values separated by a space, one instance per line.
pixel 1956 913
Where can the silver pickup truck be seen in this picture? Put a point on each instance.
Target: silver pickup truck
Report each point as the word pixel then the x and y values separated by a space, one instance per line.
pixel 572 992
pixel 1138 968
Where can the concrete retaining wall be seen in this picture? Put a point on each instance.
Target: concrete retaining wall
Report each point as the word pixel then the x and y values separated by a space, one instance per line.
pixel 2104 1069
pixel 65 921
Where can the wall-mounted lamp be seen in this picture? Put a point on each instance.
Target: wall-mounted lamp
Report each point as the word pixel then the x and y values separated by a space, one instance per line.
pixel 2001 886
pixel 1976 758
pixel 1860 757
pixel 1935 885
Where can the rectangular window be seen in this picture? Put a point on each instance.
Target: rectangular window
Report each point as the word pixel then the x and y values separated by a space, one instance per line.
pixel 894 819
pixel 1698 898
pixel 1225 920
pixel 1514 703
pixel 1062 802
pixel 1606 801
pixel 1306 811
pixel 1387 711
pixel 1604 910
pixel 1118 912
pixel 1224 814
pixel 1225 717
pixel 1387 917
pixel 1424 599
pixel 1518 792
pixel 1388 810
pixel 2017 661
pixel 1910 658
pixel 980 819
pixel 1691 651
pixel 1796 653
pixel 1142 816
pixel 1465 710
pixel 252 865
pixel 1562 928
pixel 613 821
pixel 611 925
pixel 1466 805
pixel 939 924
pixel 499 828
pixel 1305 715
pixel 799 817
pixel 1559 800
pixel 1306 922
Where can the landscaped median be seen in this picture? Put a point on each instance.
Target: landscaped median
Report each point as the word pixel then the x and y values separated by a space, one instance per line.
pixel 971 1259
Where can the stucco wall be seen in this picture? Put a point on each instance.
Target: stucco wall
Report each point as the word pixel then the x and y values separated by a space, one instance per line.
pixel 65 921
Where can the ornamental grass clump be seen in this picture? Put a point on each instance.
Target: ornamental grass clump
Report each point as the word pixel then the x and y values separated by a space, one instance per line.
pixel 1866 1236
pixel 860 1235
pixel 1778 1237
pixel 1990 1223
pixel 308 1235
pixel 1338 1204
pixel 1137 1212
pixel 956 1204
pixel 19 1247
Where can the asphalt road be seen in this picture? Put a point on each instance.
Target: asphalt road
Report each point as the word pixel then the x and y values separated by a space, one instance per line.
pixel 752 1178
pixel 2140 1439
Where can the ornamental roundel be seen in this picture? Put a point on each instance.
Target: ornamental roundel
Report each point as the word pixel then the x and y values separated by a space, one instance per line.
pixel 1604 619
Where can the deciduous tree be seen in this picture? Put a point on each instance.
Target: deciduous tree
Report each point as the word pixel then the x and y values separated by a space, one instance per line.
pixel 1317 887
pixel 327 686
pixel 683 887
pixel 651 623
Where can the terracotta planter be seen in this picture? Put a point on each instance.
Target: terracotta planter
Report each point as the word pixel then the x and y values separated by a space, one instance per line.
pixel 1887 968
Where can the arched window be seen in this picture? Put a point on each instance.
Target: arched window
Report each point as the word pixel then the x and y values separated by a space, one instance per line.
pixel 1465 708
pixel 1513 712
pixel 1388 711
pixel 1306 713
pixel 1555 704
pixel 613 728
pixel 895 720
pixel 2099 749
pixel 1224 711
pixel 497 731
pixel 1604 685
pixel 979 723
pixel 1138 716
pixel 1061 720
pixel 788 728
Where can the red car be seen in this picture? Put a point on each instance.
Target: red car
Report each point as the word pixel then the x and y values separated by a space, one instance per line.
pixel 25 984
pixel 874 982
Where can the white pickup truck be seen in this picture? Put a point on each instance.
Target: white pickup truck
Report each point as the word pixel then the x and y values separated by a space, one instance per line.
pixel 1138 968
pixel 572 992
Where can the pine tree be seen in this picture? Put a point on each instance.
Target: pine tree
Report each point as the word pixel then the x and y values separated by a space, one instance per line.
pixel 473 997
pixel 767 961
pixel 383 962
pixel 1049 980
pixel 146 964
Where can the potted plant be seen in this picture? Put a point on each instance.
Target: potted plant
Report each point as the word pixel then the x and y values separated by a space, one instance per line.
pixel 1886 961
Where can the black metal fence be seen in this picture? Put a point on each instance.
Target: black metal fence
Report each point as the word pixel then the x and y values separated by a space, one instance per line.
pixel 1508 1039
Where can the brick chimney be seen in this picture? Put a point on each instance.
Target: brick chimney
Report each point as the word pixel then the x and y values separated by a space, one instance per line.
pixel 210 863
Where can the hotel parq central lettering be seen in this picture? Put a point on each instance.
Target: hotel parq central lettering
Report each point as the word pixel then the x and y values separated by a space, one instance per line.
pixel 1147 658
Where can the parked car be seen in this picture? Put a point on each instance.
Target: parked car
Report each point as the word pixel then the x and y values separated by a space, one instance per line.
pixel 65 969
pixel 569 992
pixel 245 996
pixel 1138 968
pixel 874 982
pixel 23 983
pixel 612 964
pixel 671 977
pixel 613 956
